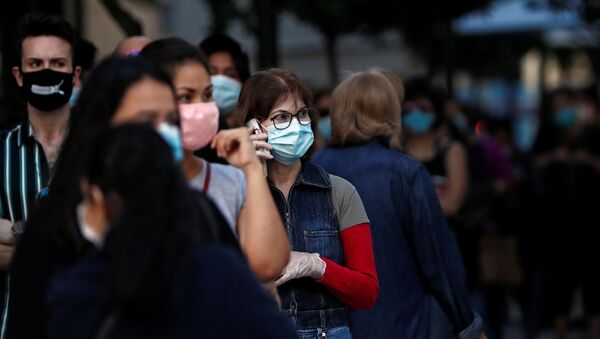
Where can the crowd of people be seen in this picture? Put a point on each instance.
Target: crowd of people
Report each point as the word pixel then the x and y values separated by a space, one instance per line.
pixel 169 192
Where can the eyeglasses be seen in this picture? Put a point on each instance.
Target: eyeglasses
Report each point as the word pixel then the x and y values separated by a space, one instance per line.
pixel 283 119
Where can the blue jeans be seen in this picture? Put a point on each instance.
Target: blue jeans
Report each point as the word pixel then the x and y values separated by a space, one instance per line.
pixel 342 332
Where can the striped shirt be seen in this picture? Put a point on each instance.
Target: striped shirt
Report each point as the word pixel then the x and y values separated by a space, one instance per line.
pixel 25 173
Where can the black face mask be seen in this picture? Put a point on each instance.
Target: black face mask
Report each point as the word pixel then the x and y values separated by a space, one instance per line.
pixel 47 89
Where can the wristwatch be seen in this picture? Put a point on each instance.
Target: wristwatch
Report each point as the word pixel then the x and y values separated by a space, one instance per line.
pixel 18 228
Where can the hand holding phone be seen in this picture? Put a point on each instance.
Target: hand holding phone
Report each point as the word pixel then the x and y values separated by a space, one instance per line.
pixel 260 142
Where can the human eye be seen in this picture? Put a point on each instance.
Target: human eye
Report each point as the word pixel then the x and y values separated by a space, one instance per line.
pixel 34 63
pixel 281 118
pixel 184 99
pixel 303 113
pixel 208 95
pixel 184 96
pixel 59 63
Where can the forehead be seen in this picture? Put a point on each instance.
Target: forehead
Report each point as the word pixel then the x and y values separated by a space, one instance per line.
pixel 45 47
pixel 291 104
pixel 149 94
pixel 221 58
pixel 191 73
pixel 145 96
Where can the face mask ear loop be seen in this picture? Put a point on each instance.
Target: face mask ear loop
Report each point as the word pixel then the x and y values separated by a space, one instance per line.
pixel 263 126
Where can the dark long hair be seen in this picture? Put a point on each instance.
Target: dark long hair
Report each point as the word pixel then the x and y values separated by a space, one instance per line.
pixel 100 97
pixel 169 53
pixel 153 217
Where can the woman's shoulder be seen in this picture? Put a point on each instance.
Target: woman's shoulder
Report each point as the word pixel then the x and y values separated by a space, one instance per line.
pixel 341 185
pixel 228 173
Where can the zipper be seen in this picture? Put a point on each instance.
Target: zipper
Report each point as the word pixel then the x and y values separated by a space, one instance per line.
pixel 287 207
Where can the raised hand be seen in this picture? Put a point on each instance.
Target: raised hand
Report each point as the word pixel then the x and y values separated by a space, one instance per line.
pixel 262 147
pixel 235 146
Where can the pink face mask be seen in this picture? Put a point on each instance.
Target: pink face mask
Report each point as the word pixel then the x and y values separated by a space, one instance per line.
pixel 199 124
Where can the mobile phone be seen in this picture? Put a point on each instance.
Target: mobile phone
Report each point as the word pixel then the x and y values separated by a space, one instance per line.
pixel 254 127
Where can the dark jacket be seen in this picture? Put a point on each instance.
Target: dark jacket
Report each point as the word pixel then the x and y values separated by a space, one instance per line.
pixel 52 241
pixel 415 254
pixel 219 298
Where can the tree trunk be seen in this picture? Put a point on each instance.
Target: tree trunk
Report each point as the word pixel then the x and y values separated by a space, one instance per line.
pixel 450 58
pixel 267 33
pixel 128 24
pixel 332 60
pixel 219 16
pixel 11 103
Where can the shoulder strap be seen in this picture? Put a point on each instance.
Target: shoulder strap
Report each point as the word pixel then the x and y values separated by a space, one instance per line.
pixel 206 177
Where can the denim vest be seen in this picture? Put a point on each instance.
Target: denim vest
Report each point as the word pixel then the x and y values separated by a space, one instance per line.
pixel 312 226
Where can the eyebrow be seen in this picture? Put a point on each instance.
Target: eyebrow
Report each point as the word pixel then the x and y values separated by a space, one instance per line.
pixel 35 59
pixel 191 89
pixel 284 111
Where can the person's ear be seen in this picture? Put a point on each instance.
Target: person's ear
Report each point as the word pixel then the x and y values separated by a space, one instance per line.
pixel 97 206
pixel 16 71
pixel 77 75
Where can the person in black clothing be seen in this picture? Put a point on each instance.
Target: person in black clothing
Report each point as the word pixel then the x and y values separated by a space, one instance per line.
pixel 117 91
pixel 151 274
pixel 568 160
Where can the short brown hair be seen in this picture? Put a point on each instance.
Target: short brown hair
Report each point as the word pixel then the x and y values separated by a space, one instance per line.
pixel 264 90
pixel 363 106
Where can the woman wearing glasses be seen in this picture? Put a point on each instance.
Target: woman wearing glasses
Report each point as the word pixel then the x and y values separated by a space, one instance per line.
pixel 331 266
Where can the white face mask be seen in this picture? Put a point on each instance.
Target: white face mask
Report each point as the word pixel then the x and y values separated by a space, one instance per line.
pixel 86 231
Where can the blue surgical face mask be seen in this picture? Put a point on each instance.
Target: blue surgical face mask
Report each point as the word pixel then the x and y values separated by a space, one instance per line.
pixel 565 118
pixel 417 121
pixel 172 137
pixel 226 92
pixel 325 128
pixel 74 96
pixel 290 144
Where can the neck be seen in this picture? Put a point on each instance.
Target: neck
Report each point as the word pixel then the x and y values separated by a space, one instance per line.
pixel 49 127
pixel 190 165
pixel 283 176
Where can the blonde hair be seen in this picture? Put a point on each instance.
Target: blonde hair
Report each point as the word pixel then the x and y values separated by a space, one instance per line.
pixel 396 81
pixel 364 106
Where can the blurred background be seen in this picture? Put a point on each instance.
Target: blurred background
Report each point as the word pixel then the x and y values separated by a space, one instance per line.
pixel 501 56
pixel 502 64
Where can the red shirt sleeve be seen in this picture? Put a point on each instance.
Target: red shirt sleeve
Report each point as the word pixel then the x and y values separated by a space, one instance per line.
pixel 354 284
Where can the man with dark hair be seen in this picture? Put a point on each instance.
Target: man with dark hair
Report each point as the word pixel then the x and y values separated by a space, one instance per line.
pixel 229 69
pixel 45 74
pixel 226 57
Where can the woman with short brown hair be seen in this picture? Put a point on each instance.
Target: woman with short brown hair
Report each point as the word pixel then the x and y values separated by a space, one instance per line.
pixel 331 266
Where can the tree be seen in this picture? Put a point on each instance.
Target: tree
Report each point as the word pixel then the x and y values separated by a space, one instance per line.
pixel 426 24
pixel 333 18
pixel 128 23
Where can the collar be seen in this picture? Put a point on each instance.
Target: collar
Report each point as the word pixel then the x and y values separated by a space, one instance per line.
pixel 25 133
pixel 313 175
